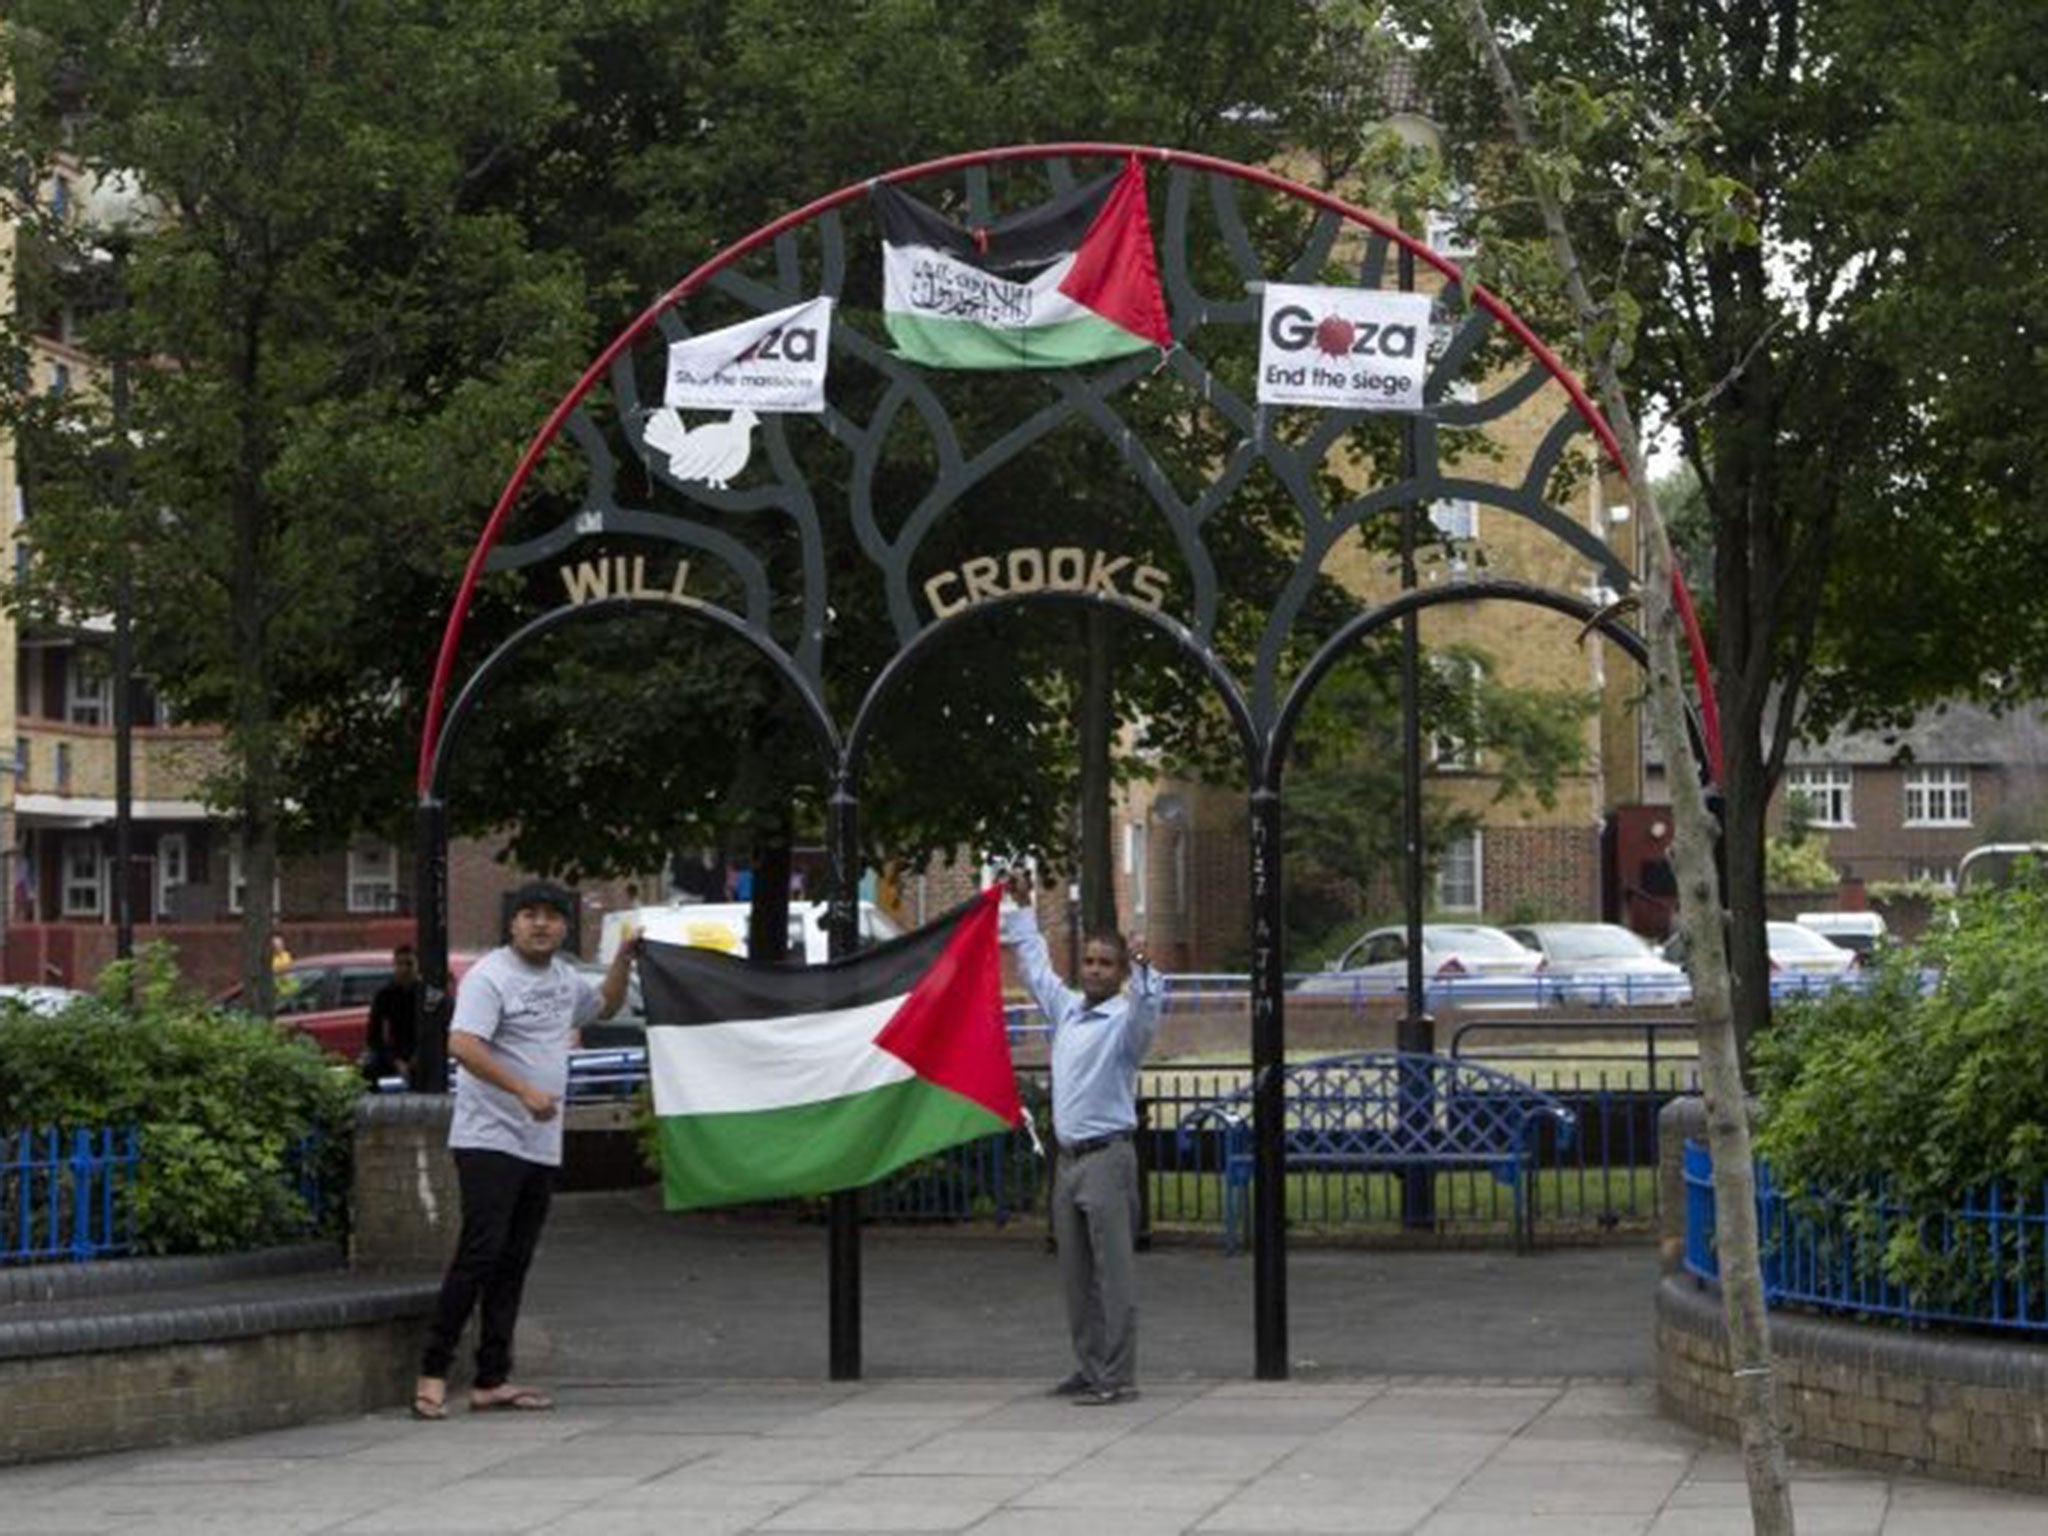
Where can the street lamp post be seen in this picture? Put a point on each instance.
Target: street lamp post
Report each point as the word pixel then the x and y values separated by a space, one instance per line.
pixel 117 213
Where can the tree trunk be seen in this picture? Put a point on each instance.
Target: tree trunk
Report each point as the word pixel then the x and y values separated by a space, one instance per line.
pixel 256 737
pixel 1742 1292
pixel 1098 727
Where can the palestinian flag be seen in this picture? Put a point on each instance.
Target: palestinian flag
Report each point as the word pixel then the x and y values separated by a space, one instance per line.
pixel 1069 282
pixel 775 1080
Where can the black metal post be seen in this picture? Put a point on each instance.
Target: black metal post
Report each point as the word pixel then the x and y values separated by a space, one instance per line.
pixel 1417 1029
pixel 1269 1053
pixel 430 937
pixel 842 931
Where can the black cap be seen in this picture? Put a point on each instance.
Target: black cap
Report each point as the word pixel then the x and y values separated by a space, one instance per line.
pixel 544 893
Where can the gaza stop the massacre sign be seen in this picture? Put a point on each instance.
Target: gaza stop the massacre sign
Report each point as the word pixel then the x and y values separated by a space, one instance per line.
pixel 1351 349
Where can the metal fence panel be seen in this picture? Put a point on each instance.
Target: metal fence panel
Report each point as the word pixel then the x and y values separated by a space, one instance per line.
pixel 66 1195
pixel 1987 1258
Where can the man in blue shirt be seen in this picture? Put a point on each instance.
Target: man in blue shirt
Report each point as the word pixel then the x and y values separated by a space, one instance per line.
pixel 1100 1035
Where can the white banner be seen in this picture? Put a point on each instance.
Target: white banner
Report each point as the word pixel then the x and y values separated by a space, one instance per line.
pixel 770 363
pixel 1352 349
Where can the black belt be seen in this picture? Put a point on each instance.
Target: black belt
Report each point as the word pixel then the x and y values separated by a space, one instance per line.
pixel 1093 1143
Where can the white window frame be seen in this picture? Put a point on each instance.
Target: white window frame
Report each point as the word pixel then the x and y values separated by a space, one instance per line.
pixel 238 885
pixel 1455 518
pixel 173 866
pixel 372 877
pixel 1450 899
pixel 1938 873
pixel 1830 795
pixel 1448 751
pixel 88 691
pixel 1440 228
pixel 1938 797
pixel 81 894
pixel 1137 856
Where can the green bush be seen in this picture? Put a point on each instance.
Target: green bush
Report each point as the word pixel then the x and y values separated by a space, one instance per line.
pixel 225 1108
pixel 1935 1094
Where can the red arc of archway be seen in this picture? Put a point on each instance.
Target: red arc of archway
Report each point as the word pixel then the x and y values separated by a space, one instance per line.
pixel 1582 402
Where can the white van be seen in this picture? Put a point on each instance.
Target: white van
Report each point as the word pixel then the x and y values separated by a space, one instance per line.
pixel 1861 933
pixel 722 925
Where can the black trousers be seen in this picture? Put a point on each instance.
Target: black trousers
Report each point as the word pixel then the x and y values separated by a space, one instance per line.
pixel 504 1206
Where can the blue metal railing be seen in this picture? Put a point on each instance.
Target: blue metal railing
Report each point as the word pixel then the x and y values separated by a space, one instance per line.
pixel 65 1194
pixel 1614 1075
pixel 1989 1253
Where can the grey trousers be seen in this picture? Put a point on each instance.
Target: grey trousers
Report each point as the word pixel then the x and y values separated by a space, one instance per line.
pixel 1095 1224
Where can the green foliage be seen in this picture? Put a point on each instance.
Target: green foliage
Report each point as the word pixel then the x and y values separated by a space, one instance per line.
pixel 1935 1095
pixel 223 1105
pixel 1796 864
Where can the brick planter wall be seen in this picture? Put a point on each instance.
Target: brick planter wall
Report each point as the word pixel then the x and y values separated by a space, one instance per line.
pixel 405 1209
pixel 1973 1407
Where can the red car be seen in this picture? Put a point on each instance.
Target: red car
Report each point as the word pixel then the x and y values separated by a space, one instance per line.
pixel 327 997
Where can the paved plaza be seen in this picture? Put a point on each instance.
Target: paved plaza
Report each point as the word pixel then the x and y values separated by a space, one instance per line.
pixel 1443 1393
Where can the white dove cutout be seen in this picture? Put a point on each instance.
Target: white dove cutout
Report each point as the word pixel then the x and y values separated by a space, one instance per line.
pixel 713 453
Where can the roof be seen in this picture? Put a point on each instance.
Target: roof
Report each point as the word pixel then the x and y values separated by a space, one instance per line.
pixel 1958 733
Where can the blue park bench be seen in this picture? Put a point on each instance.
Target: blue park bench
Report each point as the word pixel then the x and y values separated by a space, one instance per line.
pixel 1370 1110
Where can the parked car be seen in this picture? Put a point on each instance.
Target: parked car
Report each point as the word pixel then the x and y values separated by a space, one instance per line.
pixel 1798 952
pixel 46 1002
pixel 1461 962
pixel 327 997
pixel 1863 934
pixel 1800 958
pixel 1595 965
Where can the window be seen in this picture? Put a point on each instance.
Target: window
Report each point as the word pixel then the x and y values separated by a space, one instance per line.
pixel 373 878
pixel 1458 390
pixel 60 378
pixel 88 690
pixel 21 761
pixel 1137 856
pixel 63 756
pixel 1824 792
pixel 1943 875
pixel 305 989
pixel 1458 874
pixel 238 884
pixel 1449 746
pixel 361 984
pixel 1938 797
pixel 1441 227
pixel 171 867
pixel 1456 519
pixel 82 892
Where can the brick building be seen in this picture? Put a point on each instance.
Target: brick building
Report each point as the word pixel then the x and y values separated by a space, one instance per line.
pixel 1906 805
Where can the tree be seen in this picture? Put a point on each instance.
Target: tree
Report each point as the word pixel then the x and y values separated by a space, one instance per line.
pixel 344 341
pixel 1849 390
pixel 874 86
pixel 1601 330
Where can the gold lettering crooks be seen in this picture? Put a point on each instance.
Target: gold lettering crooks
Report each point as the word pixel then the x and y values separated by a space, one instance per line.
pixel 1067 568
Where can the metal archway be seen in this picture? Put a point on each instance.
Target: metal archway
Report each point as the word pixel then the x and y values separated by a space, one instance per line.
pixel 1264 709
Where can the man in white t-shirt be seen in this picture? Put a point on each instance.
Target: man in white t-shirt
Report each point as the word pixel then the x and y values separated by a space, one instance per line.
pixel 516 1017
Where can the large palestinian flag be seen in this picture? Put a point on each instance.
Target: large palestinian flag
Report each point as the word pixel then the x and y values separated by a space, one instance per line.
pixel 1071 281
pixel 774 1080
